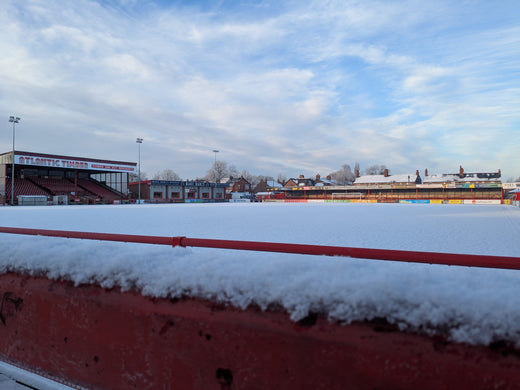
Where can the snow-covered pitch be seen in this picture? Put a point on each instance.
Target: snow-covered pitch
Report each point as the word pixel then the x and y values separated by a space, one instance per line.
pixel 473 305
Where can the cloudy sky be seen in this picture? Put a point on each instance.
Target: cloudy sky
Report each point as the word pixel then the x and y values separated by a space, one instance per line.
pixel 291 87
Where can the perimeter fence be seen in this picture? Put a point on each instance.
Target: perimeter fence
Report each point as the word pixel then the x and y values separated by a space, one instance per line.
pixel 467 260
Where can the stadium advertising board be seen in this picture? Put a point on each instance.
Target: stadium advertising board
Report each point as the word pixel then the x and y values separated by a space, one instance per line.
pixel 72 163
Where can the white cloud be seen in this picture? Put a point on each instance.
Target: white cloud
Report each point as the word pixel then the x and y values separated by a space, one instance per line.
pixel 287 86
pixel 128 65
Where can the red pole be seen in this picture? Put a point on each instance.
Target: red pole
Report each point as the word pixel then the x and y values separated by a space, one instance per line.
pixel 361 253
pixel 90 235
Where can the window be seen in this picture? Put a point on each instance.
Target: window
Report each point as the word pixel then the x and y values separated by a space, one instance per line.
pixel 205 195
pixel 157 195
pixel 176 195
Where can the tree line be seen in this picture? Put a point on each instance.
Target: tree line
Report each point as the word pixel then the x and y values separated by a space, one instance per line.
pixel 221 170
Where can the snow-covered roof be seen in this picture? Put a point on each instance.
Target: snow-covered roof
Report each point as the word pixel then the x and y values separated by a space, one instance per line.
pixel 325 182
pixel 466 177
pixel 300 181
pixel 273 183
pixel 373 179
pixel 436 178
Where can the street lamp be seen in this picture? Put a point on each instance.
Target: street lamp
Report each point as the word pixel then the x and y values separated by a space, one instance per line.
pixel 139 142
pixel 215 151
pixel 13 119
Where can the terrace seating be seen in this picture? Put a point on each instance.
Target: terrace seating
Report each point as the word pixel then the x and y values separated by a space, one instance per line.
pixel 24 187
pixel 89 190
pixel 97 189
pixel 57 186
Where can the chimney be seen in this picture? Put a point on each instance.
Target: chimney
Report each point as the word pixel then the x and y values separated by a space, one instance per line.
pixel 301 176
pixel 426 172
pixel 461 171
pixel 356 172
pixel 329 177
pixel 417 172
pixel 386 172
pixel 499 173
pixel 318 177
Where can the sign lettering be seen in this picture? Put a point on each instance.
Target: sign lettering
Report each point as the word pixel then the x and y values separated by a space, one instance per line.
pixel 52 162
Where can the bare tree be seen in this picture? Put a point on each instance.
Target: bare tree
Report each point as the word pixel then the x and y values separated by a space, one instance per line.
pixel 282 179
pixel 249 177
pixel 344 176
pixel 135 177
pixel 254 179
pixel 166 174
pixel 233 171
pixel 217 172
pixel 264 178
pixel 375 170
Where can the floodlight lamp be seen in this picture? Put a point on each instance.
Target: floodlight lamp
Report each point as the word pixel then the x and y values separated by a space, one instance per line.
pixel 139 140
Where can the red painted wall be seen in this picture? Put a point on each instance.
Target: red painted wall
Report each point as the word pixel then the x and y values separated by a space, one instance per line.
pixel 106 339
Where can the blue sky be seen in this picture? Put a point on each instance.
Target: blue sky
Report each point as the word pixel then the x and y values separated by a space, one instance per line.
pixel 291 87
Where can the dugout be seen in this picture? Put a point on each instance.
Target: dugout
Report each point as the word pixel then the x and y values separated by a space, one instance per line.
pixel 79 179
pixel 167 191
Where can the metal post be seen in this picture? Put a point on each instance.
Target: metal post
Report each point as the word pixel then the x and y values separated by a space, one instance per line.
pixel 13 119
pixel 139 142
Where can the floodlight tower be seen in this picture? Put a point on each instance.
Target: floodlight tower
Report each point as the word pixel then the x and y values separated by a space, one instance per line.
pixel 13 120
pixel 215 151
pixel 139 142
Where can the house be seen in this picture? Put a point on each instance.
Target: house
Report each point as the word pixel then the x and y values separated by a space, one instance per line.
pixel 319 182
pixel 301 181
pixel 266 186
pixel 237 185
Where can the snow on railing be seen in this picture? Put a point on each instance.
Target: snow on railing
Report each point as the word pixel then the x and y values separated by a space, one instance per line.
pixel 466 260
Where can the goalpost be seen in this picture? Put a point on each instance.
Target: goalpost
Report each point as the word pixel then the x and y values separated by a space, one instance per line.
pixel 344 197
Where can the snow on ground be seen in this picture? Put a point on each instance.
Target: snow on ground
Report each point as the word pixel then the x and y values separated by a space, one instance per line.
pixel 473 305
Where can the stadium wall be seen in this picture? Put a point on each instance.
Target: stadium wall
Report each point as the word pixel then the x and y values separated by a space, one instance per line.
pixel 91 337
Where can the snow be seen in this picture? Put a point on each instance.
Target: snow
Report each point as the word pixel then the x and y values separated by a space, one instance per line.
pixel 400 178
pixel 467 177
pixel 436 178
pixel 473 305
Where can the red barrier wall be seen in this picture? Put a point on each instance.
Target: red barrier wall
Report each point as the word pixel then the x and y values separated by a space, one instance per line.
pixel 106 339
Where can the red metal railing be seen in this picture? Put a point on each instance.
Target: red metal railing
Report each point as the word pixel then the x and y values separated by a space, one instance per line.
pixel 504 262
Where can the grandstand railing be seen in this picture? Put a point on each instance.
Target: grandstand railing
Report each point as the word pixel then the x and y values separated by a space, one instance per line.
pixel 466 260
